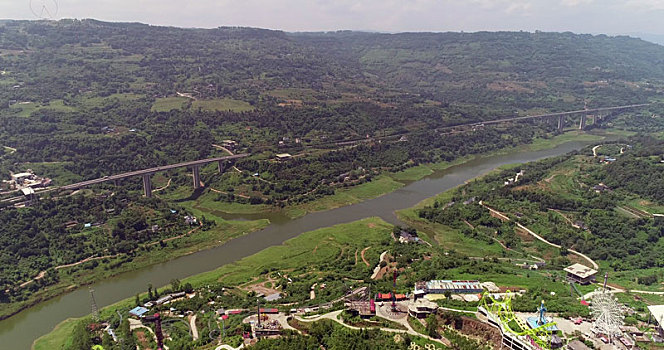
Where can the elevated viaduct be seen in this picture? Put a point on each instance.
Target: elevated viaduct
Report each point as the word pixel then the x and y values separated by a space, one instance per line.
pixel 146 173
pixel 596 113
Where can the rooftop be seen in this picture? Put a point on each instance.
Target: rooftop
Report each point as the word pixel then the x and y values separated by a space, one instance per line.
pixel 447 284
pixel 657 312
pixel 20 175
pixel 580 270
pixel 138 311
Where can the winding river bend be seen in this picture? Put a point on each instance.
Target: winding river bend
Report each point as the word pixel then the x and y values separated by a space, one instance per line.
pixel 18 332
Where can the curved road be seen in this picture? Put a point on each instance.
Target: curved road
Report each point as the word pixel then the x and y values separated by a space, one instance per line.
pixel 503 216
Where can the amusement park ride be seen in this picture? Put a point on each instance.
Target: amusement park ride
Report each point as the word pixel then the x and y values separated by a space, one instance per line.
pixel 538 335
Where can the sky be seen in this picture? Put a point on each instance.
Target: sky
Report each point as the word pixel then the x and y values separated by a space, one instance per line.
pixel 579 16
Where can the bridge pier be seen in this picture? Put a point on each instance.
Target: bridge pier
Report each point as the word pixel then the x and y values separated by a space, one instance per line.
pixel 582 123
pixel 197 176
pixel 561 123
pixel 147 186
pixel 221 166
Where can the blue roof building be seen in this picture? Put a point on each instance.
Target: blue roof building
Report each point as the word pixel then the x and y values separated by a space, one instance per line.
pixel 138 311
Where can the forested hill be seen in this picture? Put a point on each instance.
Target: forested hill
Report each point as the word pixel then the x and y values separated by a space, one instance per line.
pixel 108 97
pixel 538 69
pixel 534 64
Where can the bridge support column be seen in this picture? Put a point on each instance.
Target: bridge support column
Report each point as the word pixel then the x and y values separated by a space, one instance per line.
pixel 582 123
pixel 561 123
pixel 220 164
pixel 147 186
pixel 197 176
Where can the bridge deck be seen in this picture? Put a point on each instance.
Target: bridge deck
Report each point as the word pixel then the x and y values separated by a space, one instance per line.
pixel 149 171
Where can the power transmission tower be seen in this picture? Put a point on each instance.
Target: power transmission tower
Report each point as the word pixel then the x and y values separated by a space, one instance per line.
pixel 93 305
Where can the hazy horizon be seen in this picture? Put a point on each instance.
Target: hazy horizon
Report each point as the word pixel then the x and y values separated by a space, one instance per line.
pixel 609 17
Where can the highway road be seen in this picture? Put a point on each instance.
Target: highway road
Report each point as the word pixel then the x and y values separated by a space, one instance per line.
pixel 558 114
pixel 149 171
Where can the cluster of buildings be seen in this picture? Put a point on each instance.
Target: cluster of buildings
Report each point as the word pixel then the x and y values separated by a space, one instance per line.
pixel 26 180
pixel 515 179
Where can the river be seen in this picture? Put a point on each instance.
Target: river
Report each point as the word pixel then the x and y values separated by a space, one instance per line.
pixel 19 331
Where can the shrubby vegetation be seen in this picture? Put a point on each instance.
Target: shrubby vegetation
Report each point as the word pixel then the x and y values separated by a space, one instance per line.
pixel 572 200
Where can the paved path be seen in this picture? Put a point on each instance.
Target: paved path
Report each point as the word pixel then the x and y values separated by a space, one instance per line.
pixel 228 347
pixel 194 329
pixel 333 316
pixel 619 290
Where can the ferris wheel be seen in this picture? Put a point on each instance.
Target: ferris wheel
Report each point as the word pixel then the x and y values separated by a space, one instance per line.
pixel 44 9
pixel 607 314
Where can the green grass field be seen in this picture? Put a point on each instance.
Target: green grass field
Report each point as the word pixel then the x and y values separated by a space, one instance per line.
pixel 346 196
pixel 167 104
pixel 57 338
pixel 299 251
pixel 25 109
pixel 225 104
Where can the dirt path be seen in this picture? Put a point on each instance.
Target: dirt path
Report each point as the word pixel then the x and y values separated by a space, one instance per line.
pixel 223 149
pixel 86 260
pixel 363 258
pixel 187 95
pixel 569 221
pixel 200 224
pixel 501 215
pixel 162 188
pixel 235 194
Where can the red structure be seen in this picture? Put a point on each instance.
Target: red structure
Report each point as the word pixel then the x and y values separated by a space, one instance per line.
pixel 394 291
pixel 157 329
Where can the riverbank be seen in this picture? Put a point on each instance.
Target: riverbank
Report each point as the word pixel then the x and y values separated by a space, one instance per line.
pixel 310 249
pixel 84 274
pixel 28 325
pixel 383 184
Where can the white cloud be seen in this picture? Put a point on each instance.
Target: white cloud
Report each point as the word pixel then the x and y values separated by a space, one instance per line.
pixel 646 5
pixel 573 3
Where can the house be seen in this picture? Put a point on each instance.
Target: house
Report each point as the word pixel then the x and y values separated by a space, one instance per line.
pixel 422 308
pixel 283 156
pixel 405 237
pixel 138 311
pixel 190 220
pixel 600 188
pixel 580 274
pixel 163 300
pixel 363 309
pixel 388 297
pixel 577 345
pixel 273 297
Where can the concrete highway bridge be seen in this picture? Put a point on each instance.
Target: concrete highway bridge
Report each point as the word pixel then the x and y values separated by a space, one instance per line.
pixel 596 113
pixel 146 173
